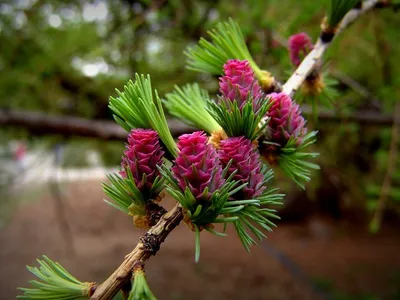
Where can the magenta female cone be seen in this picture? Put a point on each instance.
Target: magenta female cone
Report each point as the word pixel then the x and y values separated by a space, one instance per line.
pixel 142 156
pixel 246 160
pixel 285 120
pixel 238 82
pixel 299 46
pixel 197 165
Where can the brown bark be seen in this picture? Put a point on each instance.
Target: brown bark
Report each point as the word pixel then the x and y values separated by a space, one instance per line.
pixel 148 245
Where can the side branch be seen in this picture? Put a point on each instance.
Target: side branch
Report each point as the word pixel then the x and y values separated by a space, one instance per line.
pixel 343 78
pixel 148 245
pixel 312 60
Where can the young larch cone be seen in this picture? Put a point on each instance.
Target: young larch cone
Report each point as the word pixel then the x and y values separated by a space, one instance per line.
pixel 142 156
pixel 197 165
pixel 285 120
pixel 239 82
pixel 246 160
pixel 299 46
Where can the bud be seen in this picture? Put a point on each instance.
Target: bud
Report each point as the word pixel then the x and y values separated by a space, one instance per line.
pixel 285 120
pixel 239 82
pixel 142 156
pixel 246 160
pixel 197 165
pixel 216 137
pixel 299 46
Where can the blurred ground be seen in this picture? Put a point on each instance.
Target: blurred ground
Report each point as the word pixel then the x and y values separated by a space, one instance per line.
pixel 340 259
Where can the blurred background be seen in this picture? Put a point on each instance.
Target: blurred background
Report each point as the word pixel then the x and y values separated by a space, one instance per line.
pixel 61 60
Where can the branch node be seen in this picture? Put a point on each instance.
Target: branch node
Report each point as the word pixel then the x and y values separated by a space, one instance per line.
pixel 150 243
pixel 92 289
pixel 154 213
pixel 137 266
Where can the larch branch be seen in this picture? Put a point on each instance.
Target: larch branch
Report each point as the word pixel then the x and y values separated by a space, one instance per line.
pixel 42 124
pixel 148 245
pixel 312 60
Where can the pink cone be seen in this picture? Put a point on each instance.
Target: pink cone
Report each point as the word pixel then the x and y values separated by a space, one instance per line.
pixel 246 160
pixel 142 156
pixel 285 121
pixel 197 165
pixel 299 46
pixel 239 82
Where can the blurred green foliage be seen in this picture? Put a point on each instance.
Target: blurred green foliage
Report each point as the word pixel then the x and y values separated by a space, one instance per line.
pixel 327 287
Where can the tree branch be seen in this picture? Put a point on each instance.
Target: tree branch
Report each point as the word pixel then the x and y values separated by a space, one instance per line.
pixel 343 78
pixel 311 61
pixel 363 117
pixel 148 245
pixel 41 123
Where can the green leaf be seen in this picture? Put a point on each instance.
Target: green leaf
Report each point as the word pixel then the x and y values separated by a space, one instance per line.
pixel 256 217
pixel 227 42
pixel 124 193
pixel 138 107
pixel 338 9
pixel 211 230
pixel 240 121
pixel 197 244
pixel 189 104
pixel 140 289
pixel 226 220
pixel 292 160
pixel 55 283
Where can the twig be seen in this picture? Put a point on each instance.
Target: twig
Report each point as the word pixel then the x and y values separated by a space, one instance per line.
pixel 343 78
pixel 148 245
pixel 312 60
pixel 387 181
pixel 362 117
